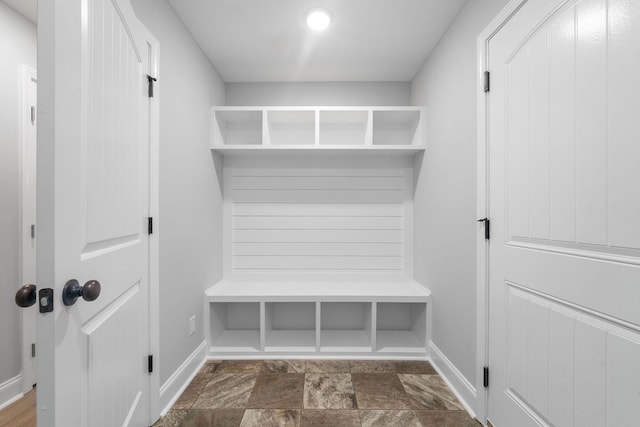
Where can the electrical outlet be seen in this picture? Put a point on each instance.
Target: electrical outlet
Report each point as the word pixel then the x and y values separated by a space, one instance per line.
pixel 192 325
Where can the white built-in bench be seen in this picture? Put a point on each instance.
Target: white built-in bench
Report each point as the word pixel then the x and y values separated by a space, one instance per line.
pixel 382 316
pixel 317 233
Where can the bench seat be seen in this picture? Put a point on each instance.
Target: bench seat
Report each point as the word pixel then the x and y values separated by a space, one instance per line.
pixel 326 315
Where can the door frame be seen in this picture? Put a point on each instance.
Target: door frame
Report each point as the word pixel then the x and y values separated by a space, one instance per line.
pixel 28 76
pixel 154 239
pixel 482 204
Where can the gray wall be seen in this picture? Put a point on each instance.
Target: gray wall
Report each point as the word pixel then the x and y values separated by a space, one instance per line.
pixel 445 197
pixel 190 223
pixel 18 46
pixel 334 94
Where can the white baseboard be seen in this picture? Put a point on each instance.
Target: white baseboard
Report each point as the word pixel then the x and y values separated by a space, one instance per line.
pixel 10 391
pixel 461 387
pixel 179 381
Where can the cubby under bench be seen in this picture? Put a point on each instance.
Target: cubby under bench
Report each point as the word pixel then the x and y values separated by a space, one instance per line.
pixel 386 317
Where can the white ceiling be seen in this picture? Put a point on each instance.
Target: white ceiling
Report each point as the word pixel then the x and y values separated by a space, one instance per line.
pixel 268 41
pixel 26 8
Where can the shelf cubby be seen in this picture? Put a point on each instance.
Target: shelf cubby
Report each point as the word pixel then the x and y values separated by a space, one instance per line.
pixel 317 131
pixel 401 327
pixel 292 127
pixel 290 326
pixel 345 327
pixel 305 315
pixel 235 326
pixel 398 127
pixel 237 127
pixel 344 128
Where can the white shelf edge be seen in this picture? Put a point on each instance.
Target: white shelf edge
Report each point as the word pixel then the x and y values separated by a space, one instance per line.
pixel 361 150
pixel 333 340
pixel 243 340
pixel 317 108
pixel 291 340
pixel 398 341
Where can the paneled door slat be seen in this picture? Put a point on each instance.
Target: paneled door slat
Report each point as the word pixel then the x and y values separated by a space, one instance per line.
pixel 623 125
pixel 591 123
pixel 518 146
pixel 590 375
pixel 538 51
pixel 561 378
pixel 562 128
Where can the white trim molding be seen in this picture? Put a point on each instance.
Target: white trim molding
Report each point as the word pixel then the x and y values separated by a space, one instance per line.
pixel 10 391
pixel 154 212
pixel 28 149
pixel 461 387
pixel 482 204
pixel 181 378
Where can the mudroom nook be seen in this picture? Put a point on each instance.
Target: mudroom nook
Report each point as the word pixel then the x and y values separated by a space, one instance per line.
pixel 363 213
pixel 317 233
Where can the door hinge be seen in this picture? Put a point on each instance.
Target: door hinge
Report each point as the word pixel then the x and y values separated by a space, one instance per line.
pixel 487 81
pixel 150 225
pixel 33 349
pixel 33 115
pixel 487 227
pixel 485 376
pixel 151 80
pixel 33 231
pixel 150 363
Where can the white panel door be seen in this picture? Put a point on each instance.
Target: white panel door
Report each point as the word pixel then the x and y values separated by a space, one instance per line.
pixel 93 204
pixel 564 135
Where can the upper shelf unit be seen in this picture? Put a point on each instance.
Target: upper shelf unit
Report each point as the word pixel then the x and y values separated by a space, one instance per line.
pixel 290 130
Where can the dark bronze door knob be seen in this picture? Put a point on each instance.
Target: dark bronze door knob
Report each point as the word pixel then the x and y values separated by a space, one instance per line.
pixel 26 296
pixel 72 290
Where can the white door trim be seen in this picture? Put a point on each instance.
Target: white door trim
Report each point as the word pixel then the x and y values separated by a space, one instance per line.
pixel 28 76
pixel 154 239
pixel 482 206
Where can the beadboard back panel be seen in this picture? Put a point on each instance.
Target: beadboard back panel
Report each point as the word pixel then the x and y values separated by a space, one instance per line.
pixel 318 219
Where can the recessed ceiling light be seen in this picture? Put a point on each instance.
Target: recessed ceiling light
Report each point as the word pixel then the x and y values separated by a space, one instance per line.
pixel 318 19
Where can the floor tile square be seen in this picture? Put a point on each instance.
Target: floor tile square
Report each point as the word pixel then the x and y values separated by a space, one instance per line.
pixel 406 418
pixel 283 366
pixel 371 366
pixel 213 418
pixel 192 392
pixel 446 419
pixel 429 392
pixel 329 391
pixel 328 366
pixel 172 419
pixel 226 391
pixel 239 367
pixel 271 418
pixel 277 391
pixel 210 366
pixel 414 367
pixel 379 391
pixel 329 418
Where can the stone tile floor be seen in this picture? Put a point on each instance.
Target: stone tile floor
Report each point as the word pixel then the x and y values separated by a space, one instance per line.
pixel 332 393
